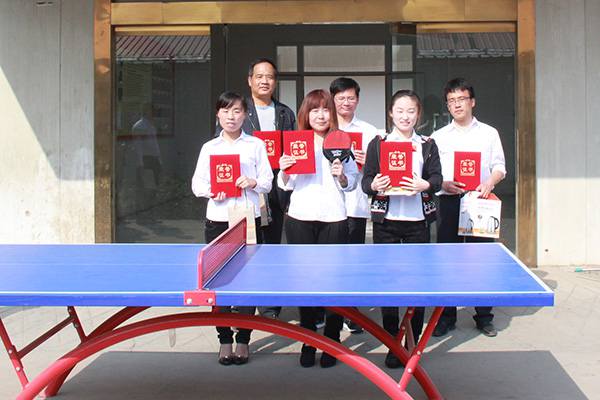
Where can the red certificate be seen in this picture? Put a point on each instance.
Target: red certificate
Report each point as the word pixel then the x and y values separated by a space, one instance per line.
pixel 224 171
pixel 301 146
pixel 357 143
pixel 467 168
pixel 272 141
pixel 395 161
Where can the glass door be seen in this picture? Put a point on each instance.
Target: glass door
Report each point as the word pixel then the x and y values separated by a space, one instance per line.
pixel 162 118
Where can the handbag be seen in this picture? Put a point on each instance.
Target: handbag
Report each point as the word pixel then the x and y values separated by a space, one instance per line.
pixel 239 211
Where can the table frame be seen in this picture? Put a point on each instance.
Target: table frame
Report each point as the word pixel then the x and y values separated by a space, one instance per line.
pixel 112 331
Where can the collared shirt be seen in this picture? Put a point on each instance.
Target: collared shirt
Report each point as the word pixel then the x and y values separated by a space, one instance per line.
pixel 357 202
pixel 266 117
pixel 319 196
pixel 407 208
pixel 478 137
pixel 254 164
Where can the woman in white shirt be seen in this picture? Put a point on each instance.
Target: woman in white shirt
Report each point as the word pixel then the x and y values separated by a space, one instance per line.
pixel 255 178
pixel 404 218
pixel 317 212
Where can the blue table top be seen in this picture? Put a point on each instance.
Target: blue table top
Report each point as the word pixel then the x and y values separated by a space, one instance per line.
pixel 286 275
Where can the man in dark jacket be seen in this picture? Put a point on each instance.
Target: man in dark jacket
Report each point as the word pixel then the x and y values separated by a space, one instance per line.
pixel 267 114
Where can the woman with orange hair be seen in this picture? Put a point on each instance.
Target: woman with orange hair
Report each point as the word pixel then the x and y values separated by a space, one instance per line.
pixel 317 212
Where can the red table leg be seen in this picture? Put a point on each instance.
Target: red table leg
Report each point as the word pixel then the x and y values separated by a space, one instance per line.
pixel 417 352
pixel 13 354
pixel 394 345
pixel 107 339
pixel 17 356
pixel 108 325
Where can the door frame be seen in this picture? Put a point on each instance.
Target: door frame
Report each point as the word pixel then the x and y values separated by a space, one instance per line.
pixel 430 15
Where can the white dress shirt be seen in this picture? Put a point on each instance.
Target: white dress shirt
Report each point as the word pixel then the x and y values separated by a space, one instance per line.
pixel 357 202
pixel 407 208
pixel 253 163
pixel 477 137
pixel 319 196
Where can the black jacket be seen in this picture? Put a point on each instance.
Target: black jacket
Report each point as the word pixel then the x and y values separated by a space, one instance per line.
pixel 285 119
pixel 432 172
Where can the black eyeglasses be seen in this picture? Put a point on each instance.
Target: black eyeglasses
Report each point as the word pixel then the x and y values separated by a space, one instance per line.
pixel 457 100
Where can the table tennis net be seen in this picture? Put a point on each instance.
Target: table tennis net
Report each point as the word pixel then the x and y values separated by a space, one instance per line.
pixel 218 252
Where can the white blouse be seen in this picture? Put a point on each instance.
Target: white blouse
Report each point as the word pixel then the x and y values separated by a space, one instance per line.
pixel 254 164
pixel 319 196
pixel 408 208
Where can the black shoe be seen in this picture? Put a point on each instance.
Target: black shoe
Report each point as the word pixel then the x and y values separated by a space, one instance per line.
pixel 442 328
pixel 391 361
pixel 488 330
pixel 226 356
pixel 307 356
pixel 239 359
pixel 327 360
pixel 270 314
pixel 352 327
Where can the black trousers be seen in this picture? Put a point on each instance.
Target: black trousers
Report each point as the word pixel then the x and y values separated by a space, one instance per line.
pixel 278 202
pixel 448 233
pixel 272 233
pixel 317 232
pixel 212 230
pixel 390 231
pixel 357 230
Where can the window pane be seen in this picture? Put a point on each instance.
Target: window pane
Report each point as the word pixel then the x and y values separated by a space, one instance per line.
pixel 162 119
pixel 402 83
pixel 287 93
pixel 287 58
pixel 344 58
pixel 371 106
pixel 402 58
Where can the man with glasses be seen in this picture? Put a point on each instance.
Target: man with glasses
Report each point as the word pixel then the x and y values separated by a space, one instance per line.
pixel 345 92
pixel 465 133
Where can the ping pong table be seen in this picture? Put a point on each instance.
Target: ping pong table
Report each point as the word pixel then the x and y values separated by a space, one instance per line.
pixel 227 272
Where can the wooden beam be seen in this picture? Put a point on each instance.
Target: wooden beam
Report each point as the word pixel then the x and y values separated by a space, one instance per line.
pixel 103 154
pixel 526 197
pixel 312 11
pixel 466 27
pixel 163 30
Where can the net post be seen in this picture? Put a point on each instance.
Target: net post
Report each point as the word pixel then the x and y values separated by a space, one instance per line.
pixel 212 258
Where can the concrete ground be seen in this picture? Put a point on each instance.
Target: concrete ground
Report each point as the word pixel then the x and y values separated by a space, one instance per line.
pixel 539 353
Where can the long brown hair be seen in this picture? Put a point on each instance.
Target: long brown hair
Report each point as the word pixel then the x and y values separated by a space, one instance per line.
pixel 315 99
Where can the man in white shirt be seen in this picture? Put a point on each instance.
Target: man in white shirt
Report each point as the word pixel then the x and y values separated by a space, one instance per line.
pixel 346 92
pixel 465 133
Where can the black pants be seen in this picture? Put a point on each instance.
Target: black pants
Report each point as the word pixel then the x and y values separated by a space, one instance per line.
pixel 448 233
pixel 212 230
pixel 272 233
pixel 317 232
pixel 278 202
pixel 390 231
pixel 357 230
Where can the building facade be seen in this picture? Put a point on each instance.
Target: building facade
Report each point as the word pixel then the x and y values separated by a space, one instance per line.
pixel 105 105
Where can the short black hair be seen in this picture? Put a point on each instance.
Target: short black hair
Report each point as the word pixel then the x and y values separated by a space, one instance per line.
pixel 458 84
pixel 342 84
pixel 260 61
pixel 227 99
